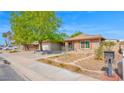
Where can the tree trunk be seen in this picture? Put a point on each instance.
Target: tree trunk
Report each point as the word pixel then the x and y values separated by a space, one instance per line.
pixel 26 47
pixel 6 43
pixel 40 45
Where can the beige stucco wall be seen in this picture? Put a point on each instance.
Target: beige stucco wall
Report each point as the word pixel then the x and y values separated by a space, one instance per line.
pixel 55 46
pixel 94 43
pixel 76 45
pixel 46 46
pixel 51 46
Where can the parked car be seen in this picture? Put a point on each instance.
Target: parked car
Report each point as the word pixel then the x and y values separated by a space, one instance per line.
pixel 14 47
pixel 1 48
pixel 9 48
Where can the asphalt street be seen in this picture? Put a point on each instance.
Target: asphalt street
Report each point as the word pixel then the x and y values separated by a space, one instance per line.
pixel 7 73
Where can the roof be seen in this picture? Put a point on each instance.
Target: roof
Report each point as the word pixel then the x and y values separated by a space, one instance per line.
pixel 84 36
pixel 112 39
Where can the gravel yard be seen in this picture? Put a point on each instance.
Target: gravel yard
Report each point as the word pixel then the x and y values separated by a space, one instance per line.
pixel 91 64
pixel 77 62
pixel 70 57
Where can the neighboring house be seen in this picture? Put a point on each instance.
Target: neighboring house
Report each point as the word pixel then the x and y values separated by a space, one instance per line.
pixel 121 44
pixel 46 45
pixel 83 41
pixel 52 46
pixel 113 40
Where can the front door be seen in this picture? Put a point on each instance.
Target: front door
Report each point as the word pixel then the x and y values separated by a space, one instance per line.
pixel 71 46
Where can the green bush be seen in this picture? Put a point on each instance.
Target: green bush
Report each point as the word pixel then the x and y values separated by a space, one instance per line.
pixel 99 53
pixel 108 45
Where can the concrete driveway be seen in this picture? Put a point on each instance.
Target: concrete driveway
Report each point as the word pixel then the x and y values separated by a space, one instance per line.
pixel 37 71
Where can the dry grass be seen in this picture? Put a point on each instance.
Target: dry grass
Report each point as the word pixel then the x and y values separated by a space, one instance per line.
pixel 89 63
pixel 92 64
pixel 71 67
pixel 89 66
pixel 70 57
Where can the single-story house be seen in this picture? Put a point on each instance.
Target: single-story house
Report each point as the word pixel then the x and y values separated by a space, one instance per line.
pixel 84 41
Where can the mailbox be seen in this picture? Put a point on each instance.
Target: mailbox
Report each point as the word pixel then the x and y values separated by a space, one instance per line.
pixel 109 57
pixel 109 54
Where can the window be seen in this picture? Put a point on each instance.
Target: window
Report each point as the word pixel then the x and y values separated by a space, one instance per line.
pixel 82 44
pixel 71 45
pixel 85 44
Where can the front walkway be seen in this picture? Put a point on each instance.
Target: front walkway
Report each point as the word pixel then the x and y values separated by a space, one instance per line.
pixel 37 71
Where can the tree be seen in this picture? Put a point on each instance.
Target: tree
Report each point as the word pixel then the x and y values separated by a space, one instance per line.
pixel 22 34
pixel 5 36
pixel 35 26
pixel 57 36
pixel 8 37
pixel 76 33
pixel 46 29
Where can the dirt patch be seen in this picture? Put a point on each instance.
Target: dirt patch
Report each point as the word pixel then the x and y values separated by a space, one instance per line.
pixel 87 60
pixel 74 68
pixel 70 57
pixel 84 63
pixel 92 64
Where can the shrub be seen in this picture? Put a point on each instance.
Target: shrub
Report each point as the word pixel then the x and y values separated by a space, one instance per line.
pixel 78 69
pixel 61 65
pixel 13 51
pixel 99 53
pixel 108 45
pixel 49 62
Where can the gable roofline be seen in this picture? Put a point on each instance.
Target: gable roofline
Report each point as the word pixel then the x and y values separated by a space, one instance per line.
pixel 84 36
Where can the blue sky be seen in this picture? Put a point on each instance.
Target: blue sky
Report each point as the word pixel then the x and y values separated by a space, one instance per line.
pixel 108 24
